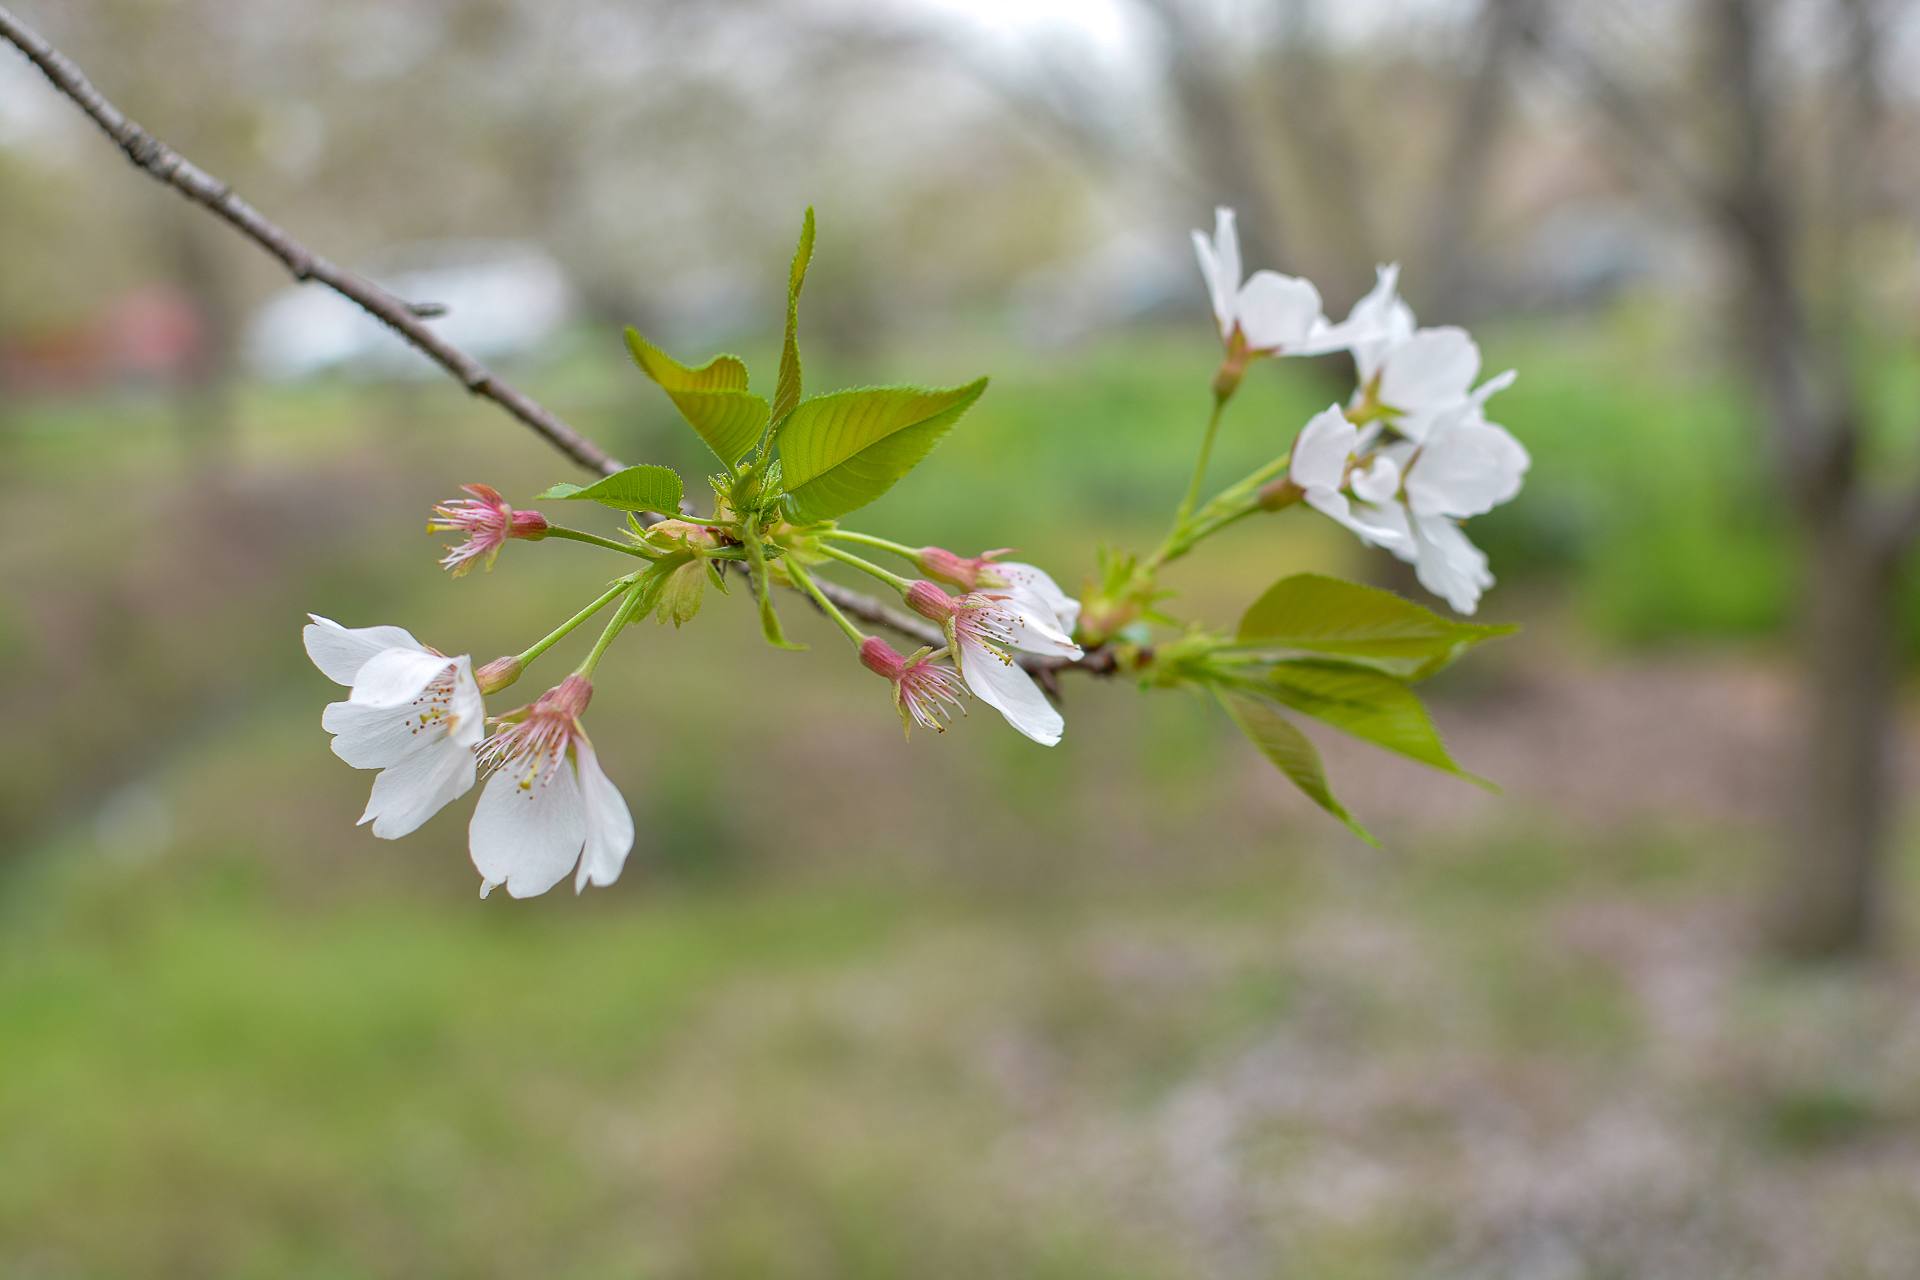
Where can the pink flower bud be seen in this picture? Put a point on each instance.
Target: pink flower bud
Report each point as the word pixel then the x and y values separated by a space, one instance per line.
pixel 930 602
pixel 964 572
pixel 498 674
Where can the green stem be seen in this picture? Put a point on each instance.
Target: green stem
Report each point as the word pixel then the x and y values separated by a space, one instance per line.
pixel 1200 464
pixel 547 642
pixel 1192 496
pixel 613 628
pixel 869 540
pixel 807 584
pixel 893 580
pixel 1232 504
pixel 595 540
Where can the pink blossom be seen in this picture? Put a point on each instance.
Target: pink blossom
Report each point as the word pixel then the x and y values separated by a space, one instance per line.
pixel 924 693
pixel 487 521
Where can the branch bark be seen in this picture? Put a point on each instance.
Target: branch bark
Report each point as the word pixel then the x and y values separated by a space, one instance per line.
pixel 166 165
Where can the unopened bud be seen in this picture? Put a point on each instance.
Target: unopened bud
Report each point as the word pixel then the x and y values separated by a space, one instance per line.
pixel 969 573
pixel 498 674
pixel 930 602
pixel 938 562
pixel 530 525
pixel 1282 492
pixel 1226 379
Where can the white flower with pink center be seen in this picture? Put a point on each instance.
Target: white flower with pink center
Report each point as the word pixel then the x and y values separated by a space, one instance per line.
pixel 548 807
pixel 971 573
pixel 488 521
pixel 985 629
pixel 924 692
pixel 413 714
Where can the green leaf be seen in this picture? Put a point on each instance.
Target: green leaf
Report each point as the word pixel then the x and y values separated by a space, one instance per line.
pixel 841 451
pixel 643 488
pixel 712 398
pixel 1366 703
pixel 1291 752
pixel 554 492
pixel 786 392
pixel 1310 613
pixel 681 590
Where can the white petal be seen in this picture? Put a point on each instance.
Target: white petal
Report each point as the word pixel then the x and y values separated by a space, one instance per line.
pixel 1038 585
pixel 609 822
pixel 1321 450
pixel 1449 565
pixel 1007 688
pixel 1035 627
pixel 1376 526
pixel 395 677
pixel 1468 467
pixel 1226 253
pixel 1277 312
pixel 1378 481
pixel 1378 323
pixel 417 786
pixel 467 713
pixel 371 737
pixel 340 651
pixel 527 838
pixel 1221 300
pixel 1493 386
pixel 1432 370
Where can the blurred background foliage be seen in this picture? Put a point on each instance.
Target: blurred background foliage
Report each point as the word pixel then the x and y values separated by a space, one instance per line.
pixel 1125 1008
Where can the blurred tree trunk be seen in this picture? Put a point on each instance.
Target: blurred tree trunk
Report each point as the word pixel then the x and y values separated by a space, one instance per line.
pixel 1825 899
pixel 1827 888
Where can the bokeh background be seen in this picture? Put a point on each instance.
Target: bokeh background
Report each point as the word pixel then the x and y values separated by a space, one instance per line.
pixel 1125 1008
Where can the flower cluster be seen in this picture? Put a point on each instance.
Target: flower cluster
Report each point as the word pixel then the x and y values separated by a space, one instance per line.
pixel 1402 463
pixel 419 716
pixel 1412 453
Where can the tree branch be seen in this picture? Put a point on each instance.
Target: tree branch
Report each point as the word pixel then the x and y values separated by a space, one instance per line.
pixel 166 165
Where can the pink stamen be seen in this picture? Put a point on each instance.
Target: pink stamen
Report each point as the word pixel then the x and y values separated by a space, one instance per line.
pixel 536 744
pixel 923 692
pixel 487 520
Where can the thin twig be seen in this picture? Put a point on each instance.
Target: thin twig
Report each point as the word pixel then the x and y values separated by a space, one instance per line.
pixel 163 163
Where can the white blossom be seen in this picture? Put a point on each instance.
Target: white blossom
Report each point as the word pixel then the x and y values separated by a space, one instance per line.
pixel 548 807
pixel 1409 498
pixel 986 630
pixel 413 714
pixel 1274 314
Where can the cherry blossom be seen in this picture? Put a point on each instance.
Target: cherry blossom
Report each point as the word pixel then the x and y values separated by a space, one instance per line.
pixel 548 807
pixel 1267 312
pixel 985 630
pixel 413 713
pixel 1034 584
pixel 488 521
